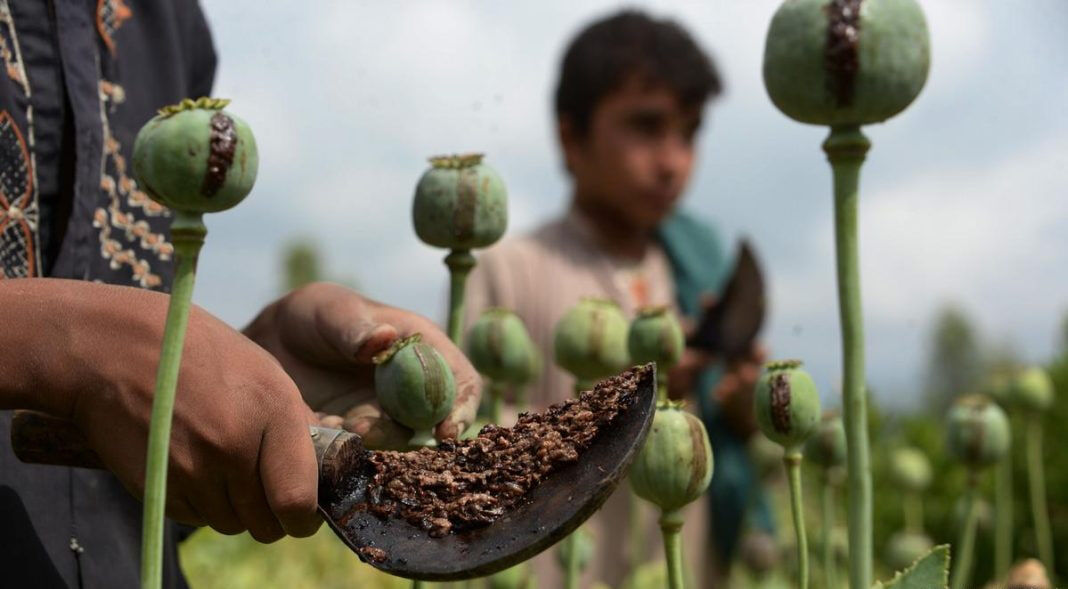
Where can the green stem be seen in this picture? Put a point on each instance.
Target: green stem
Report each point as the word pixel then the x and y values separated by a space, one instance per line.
pixel 792 460
pixel 1037 479
pixel 846 148
pixel 661 383
pixel 496 391
pixel 417 584
pixel 187 233
pixel 671 529
pixel 913 506
pixel 1004 517
pixel 460 263
pixel 830 570
pixel 635 537
pixel 962 560
pixel 572 572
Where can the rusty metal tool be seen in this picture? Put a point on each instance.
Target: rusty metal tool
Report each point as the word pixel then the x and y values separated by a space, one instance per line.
pixel 729 327
pixel 549 512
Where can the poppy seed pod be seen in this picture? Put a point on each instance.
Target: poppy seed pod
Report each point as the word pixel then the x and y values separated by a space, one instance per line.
pixel 905 548
pixel 196 157
pixel 846 62
pixel 500 347
pixel 674 466
pixel 827 446
pixel 787 403
pixel 984 513
pixel 1000 389
pixel 460 203
pixel 590 340
pixel 655 335
pixel 977 431
pixel 1032 389
pixel 415 386
pixel 910 470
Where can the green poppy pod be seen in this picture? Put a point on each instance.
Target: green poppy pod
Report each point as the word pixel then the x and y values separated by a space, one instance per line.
pixel 590 340
pixel 977 431
pixel 500 347
pixel 846 62
pixel 460 203
pixel 905 548
pixel 655 335
pixel 827 446
pixel 1032 389
pixel 674 466
pixel 787 403
pixel 415 386
pixel 910 470
pixel 196 157
pixel 999 387
pixel 984 513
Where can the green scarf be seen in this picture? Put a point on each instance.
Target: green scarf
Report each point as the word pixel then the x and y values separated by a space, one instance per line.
pixel 699 266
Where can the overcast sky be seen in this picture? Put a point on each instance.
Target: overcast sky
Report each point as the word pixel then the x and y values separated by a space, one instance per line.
pixel 963 196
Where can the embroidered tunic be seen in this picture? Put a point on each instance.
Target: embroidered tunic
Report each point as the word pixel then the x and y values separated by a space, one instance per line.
pixel 79 79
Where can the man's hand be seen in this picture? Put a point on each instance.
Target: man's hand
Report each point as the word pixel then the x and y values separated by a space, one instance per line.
pixel 325 336
pixel 240 454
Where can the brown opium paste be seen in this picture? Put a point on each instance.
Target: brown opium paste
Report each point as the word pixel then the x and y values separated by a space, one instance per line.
pixel 462 485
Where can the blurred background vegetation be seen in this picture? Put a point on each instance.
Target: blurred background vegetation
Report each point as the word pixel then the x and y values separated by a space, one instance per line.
pixel 960 360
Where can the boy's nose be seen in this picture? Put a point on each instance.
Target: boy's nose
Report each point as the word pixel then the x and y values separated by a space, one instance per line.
pixel 673 156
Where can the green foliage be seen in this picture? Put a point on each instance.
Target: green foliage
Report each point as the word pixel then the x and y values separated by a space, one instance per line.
pixel 213 561
pixel 955 363
pixel 300 264
pixel 929 572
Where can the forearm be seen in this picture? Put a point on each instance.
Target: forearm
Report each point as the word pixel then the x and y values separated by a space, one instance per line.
pixel 59 339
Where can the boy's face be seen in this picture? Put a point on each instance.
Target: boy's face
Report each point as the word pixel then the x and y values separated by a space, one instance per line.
pixel 636 157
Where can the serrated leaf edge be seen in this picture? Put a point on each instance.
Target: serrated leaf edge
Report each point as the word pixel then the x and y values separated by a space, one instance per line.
pixel 899 574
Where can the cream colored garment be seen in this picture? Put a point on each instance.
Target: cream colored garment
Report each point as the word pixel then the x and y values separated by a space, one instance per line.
pixel 540 276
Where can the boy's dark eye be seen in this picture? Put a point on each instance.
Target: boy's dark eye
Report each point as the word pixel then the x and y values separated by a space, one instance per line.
pixel 647 123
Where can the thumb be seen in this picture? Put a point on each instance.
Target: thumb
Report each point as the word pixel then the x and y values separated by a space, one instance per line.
pixel 344 329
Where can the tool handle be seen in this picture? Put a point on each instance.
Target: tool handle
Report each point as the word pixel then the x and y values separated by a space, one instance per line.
pixel 39 438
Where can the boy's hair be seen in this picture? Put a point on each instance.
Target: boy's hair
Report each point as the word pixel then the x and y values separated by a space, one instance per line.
pixel 610 51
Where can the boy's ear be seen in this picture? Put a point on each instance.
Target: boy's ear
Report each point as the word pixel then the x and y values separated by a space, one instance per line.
pixel 569 139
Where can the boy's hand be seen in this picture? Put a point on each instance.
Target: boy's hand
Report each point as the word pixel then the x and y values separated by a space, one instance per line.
pixel 735 390
pixel 325 336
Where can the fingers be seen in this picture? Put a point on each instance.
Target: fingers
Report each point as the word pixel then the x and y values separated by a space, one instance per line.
pixel 465 408
pixel 213 504
pixel 378 431
pixel 180 510
pixel 330 421
pixel 329 324
pixel 289 475
pixel 249 503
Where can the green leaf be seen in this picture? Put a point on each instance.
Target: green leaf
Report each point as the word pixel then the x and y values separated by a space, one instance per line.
pixel 928 572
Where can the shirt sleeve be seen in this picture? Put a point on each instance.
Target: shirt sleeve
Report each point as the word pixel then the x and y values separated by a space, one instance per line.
pixel 486 287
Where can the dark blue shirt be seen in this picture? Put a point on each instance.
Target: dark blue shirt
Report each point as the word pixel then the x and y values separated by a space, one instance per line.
pixel 78 79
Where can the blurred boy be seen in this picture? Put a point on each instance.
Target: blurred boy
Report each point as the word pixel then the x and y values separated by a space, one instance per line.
pixel 629 104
